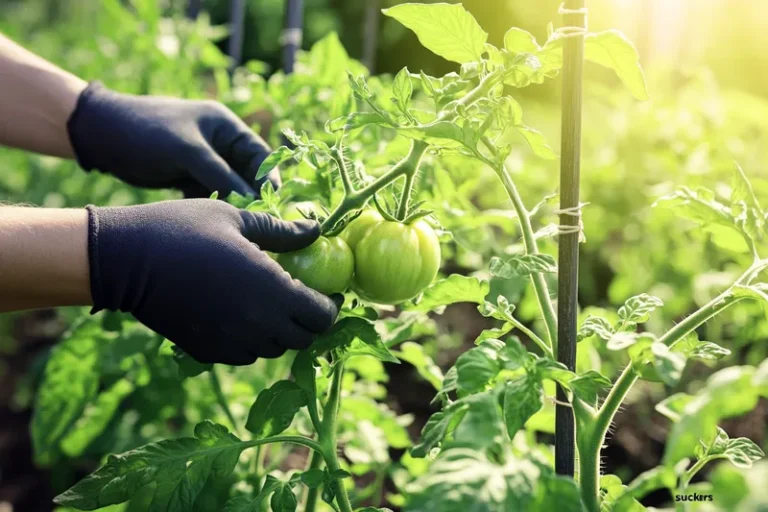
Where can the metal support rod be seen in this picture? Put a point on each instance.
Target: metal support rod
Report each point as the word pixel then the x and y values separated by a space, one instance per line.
pixel 193 8
pixel 568 250
pixel 236 27
pixel 370 33
pixel 292 33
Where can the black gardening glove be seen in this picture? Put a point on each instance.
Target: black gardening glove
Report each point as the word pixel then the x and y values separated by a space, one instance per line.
pixel 158 142
pixel 195 271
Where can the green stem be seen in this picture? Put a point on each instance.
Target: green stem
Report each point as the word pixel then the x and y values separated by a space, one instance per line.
pixel 589 450
pixel 482 89
pixel 685 480
pixel 311 503
pixel 298 440
pixel 532 335
pixel 402 210
pixel 357 199
pixel 338 155
pixel 221 399
pixel 531 247
pixel 407 166
pixel 328 435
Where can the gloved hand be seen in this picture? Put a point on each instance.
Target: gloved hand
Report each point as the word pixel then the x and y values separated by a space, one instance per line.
pixel 189 270
pixel 158 142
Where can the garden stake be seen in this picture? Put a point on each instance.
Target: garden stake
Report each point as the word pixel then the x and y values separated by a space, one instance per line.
pixel 292 33
pixel 236 27
pixel 574 15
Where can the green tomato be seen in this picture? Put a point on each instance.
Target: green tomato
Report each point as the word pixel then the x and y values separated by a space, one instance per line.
pixel 291 211
pixel 326 265
pixel 354 232
pixel 394 262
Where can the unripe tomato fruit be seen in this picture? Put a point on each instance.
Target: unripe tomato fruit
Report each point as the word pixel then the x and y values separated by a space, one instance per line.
pixel 394 262
pixel 326 265
pixel 291 211
pixel 358 227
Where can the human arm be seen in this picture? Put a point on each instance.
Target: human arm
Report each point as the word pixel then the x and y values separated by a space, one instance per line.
pixel 194 271
pixel 43 258
pixel 36 102
pixel 196 146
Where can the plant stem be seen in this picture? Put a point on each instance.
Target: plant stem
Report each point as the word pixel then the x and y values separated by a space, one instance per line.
pixel 685 480
pixel 402 210
pixel 408 165
pixel 311 503
pixel 589 452
pixel 328 434
pixel 221 399
pixel 338 156
pixel 531 247
pixel 298 440
pixel 533 337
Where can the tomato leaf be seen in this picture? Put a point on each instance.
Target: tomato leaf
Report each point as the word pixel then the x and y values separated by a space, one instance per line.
pixel 669 365
pixel 274 409
pixel 522 266
pixel 70 381
pixel 742 452
pixel 454 288
pixel 462 479
pixel 179 468
pixel 402 89
pixel 728 392
pixel 283 498
pixel 475 368
pixel 448 30
pixel 522 399
pixel 95 418
pixel 517 40
pixel 303 371
pixel 587 386
pixel 537 142
pixel 356 336
pixel 613 50
pixel 277 157
pixel 638 309
pixel 595 326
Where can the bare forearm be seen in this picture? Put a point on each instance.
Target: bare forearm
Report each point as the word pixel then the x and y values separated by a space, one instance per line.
pixel 43 258
pixel 37 100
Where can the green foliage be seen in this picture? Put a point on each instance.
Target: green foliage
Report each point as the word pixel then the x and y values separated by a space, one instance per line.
pixel 178 468
pixel 447 30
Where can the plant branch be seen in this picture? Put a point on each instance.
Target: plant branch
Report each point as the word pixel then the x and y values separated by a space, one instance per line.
pixel 221 399
pixel 298 440
pixel 338 156
pixel 328 434
pixel 627 379
pixel 529 241
pixel 685 480
pixel 402 210
pixel 355 200
pixel 311 503
pixel 531 247
pixel 533 336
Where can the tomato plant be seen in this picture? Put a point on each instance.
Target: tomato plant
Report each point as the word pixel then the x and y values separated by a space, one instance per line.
pixel 452 151
pixel 326 265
